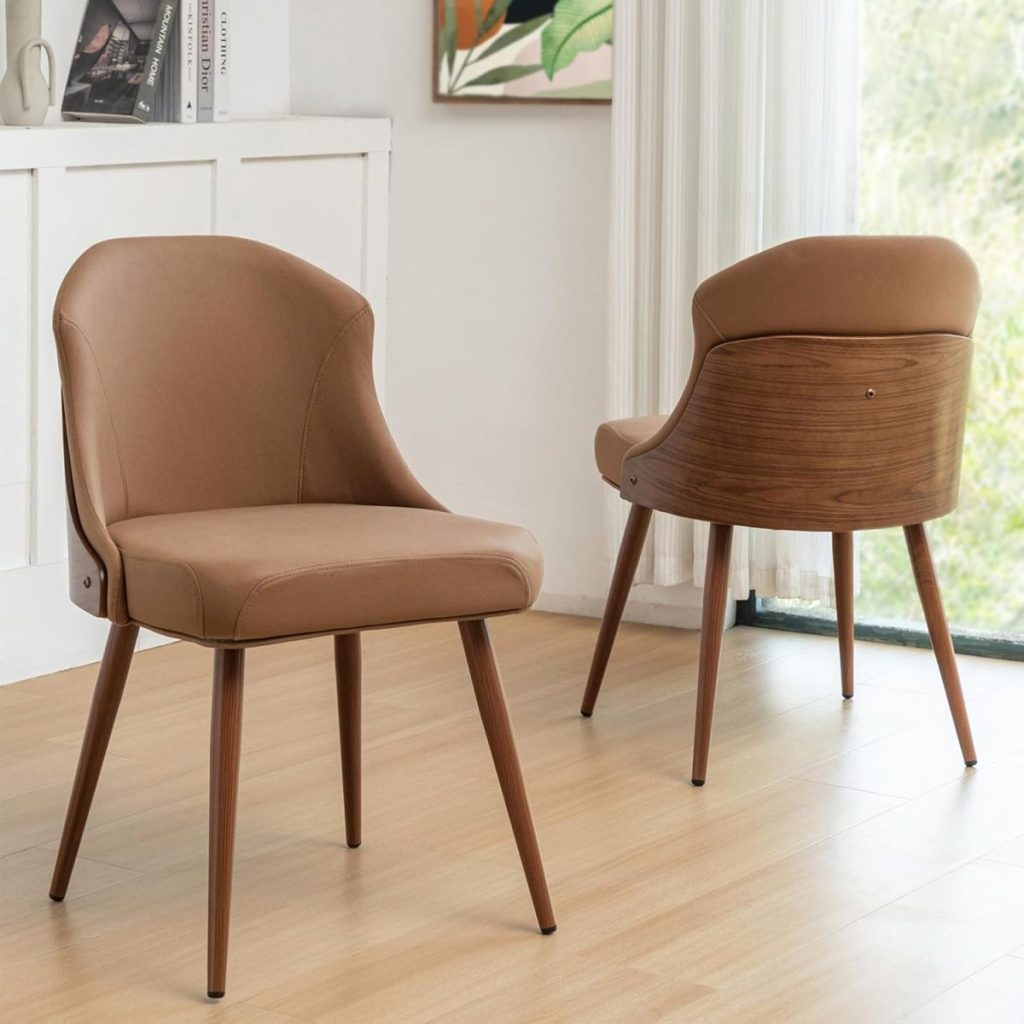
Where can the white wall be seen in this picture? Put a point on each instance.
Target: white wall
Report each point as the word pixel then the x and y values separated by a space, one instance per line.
pixel 260 72
pixel 498 288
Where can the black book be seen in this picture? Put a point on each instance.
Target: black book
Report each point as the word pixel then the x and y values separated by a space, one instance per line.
pixel 123 52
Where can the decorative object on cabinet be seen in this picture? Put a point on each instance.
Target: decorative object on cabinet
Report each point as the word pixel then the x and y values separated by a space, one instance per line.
pixel 25 95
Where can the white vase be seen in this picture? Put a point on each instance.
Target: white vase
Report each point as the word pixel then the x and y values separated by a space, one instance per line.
pixel 25 95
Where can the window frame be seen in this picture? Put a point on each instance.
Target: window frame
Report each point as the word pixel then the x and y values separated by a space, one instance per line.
pixel 752 612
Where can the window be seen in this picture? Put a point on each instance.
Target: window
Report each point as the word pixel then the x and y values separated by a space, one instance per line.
pixel 942 152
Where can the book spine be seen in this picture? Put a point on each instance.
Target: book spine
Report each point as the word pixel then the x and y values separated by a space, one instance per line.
pixel 158 46
pixel 204 68
pixel 222 60
pixel 188 52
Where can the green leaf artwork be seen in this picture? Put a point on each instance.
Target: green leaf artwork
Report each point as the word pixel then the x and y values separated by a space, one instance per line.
pixel 486 47
pixel 446 37
pixel 494 15
pixel 508 73
pixel 576 27
pixel 513 35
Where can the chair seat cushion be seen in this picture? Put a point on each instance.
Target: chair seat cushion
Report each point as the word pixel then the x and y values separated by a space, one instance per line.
pixel 616 437
pixel 287 570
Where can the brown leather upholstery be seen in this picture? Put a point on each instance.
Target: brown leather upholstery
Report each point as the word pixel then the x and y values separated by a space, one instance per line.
pixel 278 570
pixel 229 460
pixel 615 438
pixel 833 286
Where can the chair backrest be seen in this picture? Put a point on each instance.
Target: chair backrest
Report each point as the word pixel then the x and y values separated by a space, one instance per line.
pixel 828 390
pixel 214 372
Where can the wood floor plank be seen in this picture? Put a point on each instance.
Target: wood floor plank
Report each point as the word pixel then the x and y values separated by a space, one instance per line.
pixel 994 995
pixel 912 761
pixel 24 875
pixel 827 829
pixel 896 959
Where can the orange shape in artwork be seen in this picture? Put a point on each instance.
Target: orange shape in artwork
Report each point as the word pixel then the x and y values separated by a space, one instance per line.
pixel 465 22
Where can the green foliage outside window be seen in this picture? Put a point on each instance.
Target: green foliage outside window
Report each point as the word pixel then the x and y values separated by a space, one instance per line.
pixel 942 152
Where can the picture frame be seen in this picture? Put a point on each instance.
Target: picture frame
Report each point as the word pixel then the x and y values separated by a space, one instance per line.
pixel 522 51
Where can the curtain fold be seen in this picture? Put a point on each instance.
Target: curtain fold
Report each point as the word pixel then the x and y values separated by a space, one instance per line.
pixel 734 128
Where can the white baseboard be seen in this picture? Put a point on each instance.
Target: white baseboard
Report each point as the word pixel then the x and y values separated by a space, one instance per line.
pixel 41 631
pixel 647 612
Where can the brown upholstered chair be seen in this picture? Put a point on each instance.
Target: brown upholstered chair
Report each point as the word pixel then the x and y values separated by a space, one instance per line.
pixel 231 481
pixel 828 392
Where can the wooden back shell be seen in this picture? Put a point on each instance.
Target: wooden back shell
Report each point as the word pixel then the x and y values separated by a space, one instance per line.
pixel 813 433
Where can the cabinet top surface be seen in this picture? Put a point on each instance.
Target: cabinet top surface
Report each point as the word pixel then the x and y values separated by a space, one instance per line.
pixel 81 143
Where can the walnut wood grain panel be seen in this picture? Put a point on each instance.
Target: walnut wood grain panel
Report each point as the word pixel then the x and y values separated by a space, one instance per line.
pixel 831 434
pixel 87 575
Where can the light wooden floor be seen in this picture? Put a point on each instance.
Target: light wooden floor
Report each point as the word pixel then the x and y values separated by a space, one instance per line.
pixel 840 864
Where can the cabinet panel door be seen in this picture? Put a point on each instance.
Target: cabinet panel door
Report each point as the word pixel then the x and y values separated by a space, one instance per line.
pixel 15 365
pixel 143 199
pixel 310 206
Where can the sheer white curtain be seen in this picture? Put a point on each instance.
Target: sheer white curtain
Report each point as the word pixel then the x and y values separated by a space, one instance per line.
pixel 734 127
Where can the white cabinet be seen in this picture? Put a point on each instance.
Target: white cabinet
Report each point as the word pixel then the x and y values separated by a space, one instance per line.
pixel 317 187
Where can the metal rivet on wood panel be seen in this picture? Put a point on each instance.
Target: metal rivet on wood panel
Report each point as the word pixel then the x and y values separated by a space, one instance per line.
pixel 870 393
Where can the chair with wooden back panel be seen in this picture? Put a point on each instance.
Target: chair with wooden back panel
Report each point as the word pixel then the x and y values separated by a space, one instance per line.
pixel 828 393
pixel 232 482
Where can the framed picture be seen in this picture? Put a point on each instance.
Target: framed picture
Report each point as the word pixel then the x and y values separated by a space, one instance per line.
pixel 523 51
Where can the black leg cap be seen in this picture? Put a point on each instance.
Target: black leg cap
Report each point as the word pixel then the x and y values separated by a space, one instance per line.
pixel 56 899
pixel 215 995
pixel 847 696
pixel 549 931
pixel 970 764
pixel 585 714
pixel 697 782
pixel 355 846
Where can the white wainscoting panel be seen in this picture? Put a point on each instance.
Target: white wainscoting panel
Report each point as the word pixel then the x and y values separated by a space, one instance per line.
pixel 15 366
pixel 314 186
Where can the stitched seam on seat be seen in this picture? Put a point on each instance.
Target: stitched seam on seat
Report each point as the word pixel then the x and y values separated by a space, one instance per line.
pixel 315 390
pixel 106 402
pixel 704 313
pixel 369 563
pixel 188 570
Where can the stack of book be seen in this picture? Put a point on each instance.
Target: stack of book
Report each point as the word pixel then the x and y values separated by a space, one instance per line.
pixel 152 60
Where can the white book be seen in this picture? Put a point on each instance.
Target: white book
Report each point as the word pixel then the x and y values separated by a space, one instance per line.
pixel 222 60
pixel 205 68
pixel 188 52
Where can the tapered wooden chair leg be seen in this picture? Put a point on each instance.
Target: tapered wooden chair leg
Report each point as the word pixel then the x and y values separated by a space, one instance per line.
pixel 716 590
pixel 494 713
pixel 348 674
pixel 117 657
pixel 225 748
pixel 938 630
pixel 842 562
pixel 622 579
